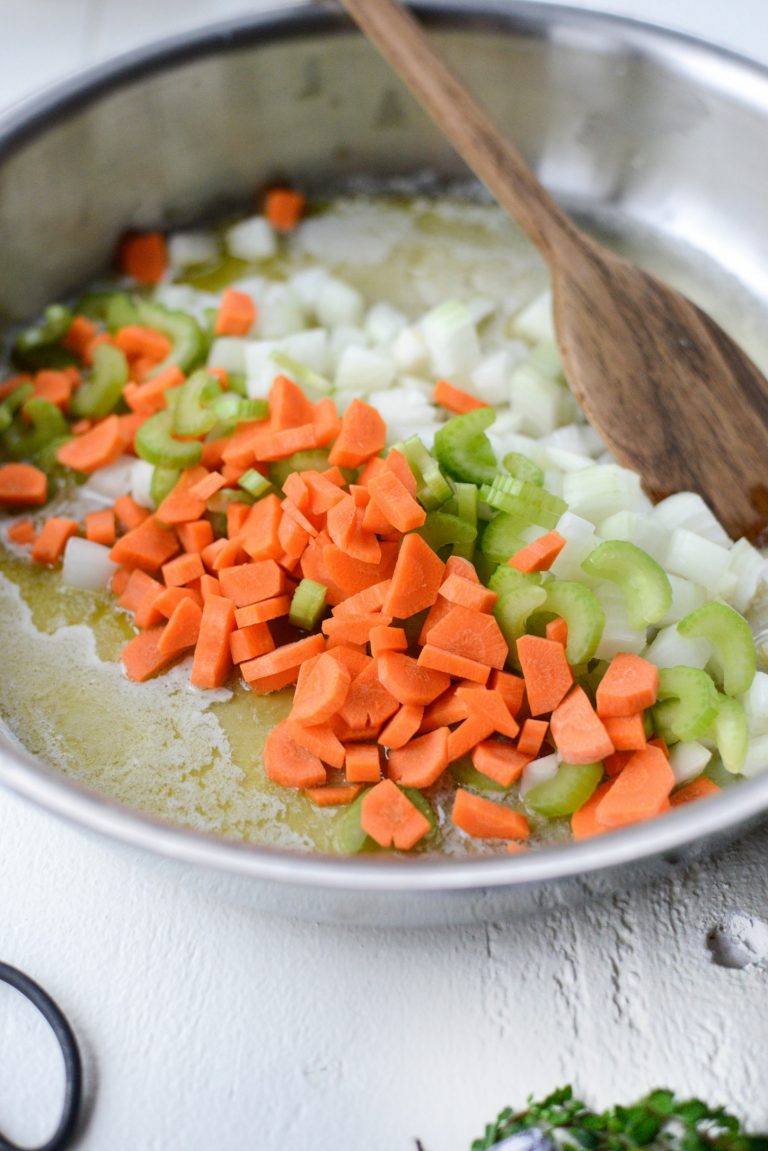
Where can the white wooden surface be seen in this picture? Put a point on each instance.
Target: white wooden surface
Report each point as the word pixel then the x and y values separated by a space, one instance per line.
pixel 204 1024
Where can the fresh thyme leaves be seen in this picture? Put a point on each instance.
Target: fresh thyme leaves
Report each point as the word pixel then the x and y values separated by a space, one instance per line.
pixel 660 1121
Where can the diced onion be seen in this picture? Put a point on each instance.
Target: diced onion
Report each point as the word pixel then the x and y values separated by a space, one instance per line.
pixel 688 760
pixel 538 771
pixel 251 239
pixel 86 564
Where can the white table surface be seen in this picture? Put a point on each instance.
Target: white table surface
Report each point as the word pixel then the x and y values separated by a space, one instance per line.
pixel 203 1023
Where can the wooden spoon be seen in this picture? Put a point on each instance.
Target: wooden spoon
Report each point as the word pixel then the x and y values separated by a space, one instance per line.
pixel 671 394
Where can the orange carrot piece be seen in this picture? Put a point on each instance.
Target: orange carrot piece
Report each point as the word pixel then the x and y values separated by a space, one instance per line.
pixel 353 659
pixel 420 762
pixel 347 576
pixel 147 613
pixel 79 335
pixel 223 553
pixel 383 638
pixel 119 581
pixel 236 315
pixel 249 583
pixel 128 513
pixel 280 445
pixel 532 736
pixel 484 819
pixel 266 609
pixel 320 739
pixel 408 681
pixel 136 587
pixel 363 433
pixel 640 792
pixel 353 629
pixel 512 688
pixel 291 655
pixel 438 611
pixel 326 422
pixel 557 631
pixel 169 598
pixel 260 538
pixel 446 710
pixel 626 732
pixel 290 764
pixel 56 387
pixel 100 527
pixel 149 397
pixel 212 662
pixel 49 545
pixel 147 546
pixel 416 579
pixel 138 342
pixel 362 763
pixel 180 506
pixel 458 590
pixel 697 789
pixel 209 585
pixel 182 630
pixel 195 536
pixel 266 684
pixel 250 642
pixel 368 702
pixel 321 690
pixel 375 521
pixel 584 823
pixel 614 764
pixel 22 485
pixel 475 729
pixel 402 727
pixel 471 634
pixel 284 208
pixel 22 532
pixel 458 666
pixel 630 684
pixel 95 449
pixel 546 671
pixel 395 502
pixel 389 817
pixel 499 761
pixel 183 569
pixel 208 486
pixel 454 399
pixel 144 256
pixel 489 703
pixel 142 658
pixel 577 731
pixel 539 555
pixel 334 796
pixel 370 599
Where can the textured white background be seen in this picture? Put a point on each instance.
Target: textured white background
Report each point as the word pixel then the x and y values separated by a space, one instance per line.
pixel 204 1024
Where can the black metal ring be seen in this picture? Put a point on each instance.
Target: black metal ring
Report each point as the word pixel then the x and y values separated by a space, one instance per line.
pixel 73 1074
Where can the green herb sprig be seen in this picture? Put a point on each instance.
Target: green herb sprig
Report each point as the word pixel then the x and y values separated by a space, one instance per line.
pixel 660 1121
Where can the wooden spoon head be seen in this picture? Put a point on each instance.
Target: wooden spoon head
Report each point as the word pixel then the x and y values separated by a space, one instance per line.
pixel 671 394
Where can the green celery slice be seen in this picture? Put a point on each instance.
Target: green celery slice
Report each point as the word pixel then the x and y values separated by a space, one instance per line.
pixel 441 529
pixel 432 488
pixel 731 637
pixel 512 610
pixel 163 482
pixel 466 774
pixel 42 422
pixel 17 397
pixel 506 578
pixel 643 582
pixel 191 414
pixel 304 376
pixel 101 394
pixel 731 733
pixel 40 345
pixel 183 330
pixel 533 504
pixel 687 704
pixel 308 604
pixel 154 442
pixel 254 483
pixel 523 468
pixel 466 509
pixel 582 611
pixel 464 451
pixel 566 791
pixel 501 537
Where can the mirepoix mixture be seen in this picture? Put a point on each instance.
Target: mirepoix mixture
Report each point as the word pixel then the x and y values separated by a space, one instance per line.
pixel 305 541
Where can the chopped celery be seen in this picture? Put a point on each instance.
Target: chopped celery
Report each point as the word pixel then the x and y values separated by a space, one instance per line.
pixel 643 582
pixel 18 396
pixel 566 791
pixel 506 578
pixel 687 704
pixel 732 640
pixel 308 604
pixel 220 500
pixel 48 461
pixel 466 774
pixel 501 537
pixel 6 419
pixel 183 330
pixel 441 528
pixel 154 442
pixel 192 416
pixel 314 460
pixel 121 311
pixel 301 374
pixel 512 610
pixel 731 733
pixel 350 839
pixel 39 423
pixel 523 468
pixel 254 483
pixel 236 382
pixel 582 611
pixel 40 345
pixel 432 488
pixel 464 451
pixel 531 503
pixel 466 509
pixel 163 482
pixel 101 394
pixel 232 408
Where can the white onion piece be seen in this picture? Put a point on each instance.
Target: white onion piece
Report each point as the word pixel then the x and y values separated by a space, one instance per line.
pixel 451 338
pixel 86 564
pixel 539 771
pixel 688 760
pixel 688 510
pixel 338 303
pixel 106 484
pixel 755 703
pixel 757 757
pixel 365 370
pixel 696 559
pixel 188 248
pixel 229 352
pixel 670 649
pixel 141 483
pixel 251 239
pixel 534 322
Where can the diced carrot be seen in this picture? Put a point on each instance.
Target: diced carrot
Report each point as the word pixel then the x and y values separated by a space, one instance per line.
pixel 223 553
pixel 584 824
pixel 128 513
pixel 142 658
pixel 353 629
pixel 347 576
pixel 416 579
pixel 169 598
pixel 334 796
pixel 54 386
pixel 213 658
pixel 639 792
pixel 484 819
pixel 469 593
pixel 149 397
pixel 266 684
pixel 438 611
pixel 630 684
pixel 614 764
pixel 326 422
pixel 22 532
pixel 264 610
pixel 138 342
pixel 512 688
pixel 321 690
pixel 291 655
pixel 452 664
pixel 420 762
pixel 79 335
pixel 147 546
pixel 195 536
pixel 208 486
pixel 546 671
pixel 100 527
pixel 280 445
pixel 22 485
pixel 499 761
pixel 284 208
pixel 372 467
pixel 241 446
pixel 144 256
pixel 626 732
pixel 368 702
pixel 136 587
pixel 532 736
pixel 79 427
pixel 389 817
pixel 183 569
pixel 212 458
pixel 557 630
pixel 288 763
pixel 402 727
pixel 578 732
pixel 249 583
pixel 698 789
pixel 445 711
pixel 260 532
pixel 180 505
pixel 374 520
pixel 395 502
pixel 182 630
pixel 236 315
pixel 471 634
pixel 454 399
pixel 408 681
pixel 539 555
pixel 320 739
pixel 209 585
pixel 51 540
pixel 353 659
pixel 370 599
pixel 489 703
pixel 660 744
pixel 383 638
pixel 362 763
pixel 475 729
pixel 250 642
pixel 363 433
pixel 93 450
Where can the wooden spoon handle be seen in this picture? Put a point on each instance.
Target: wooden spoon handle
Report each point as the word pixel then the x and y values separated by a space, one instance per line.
pixel 468 126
